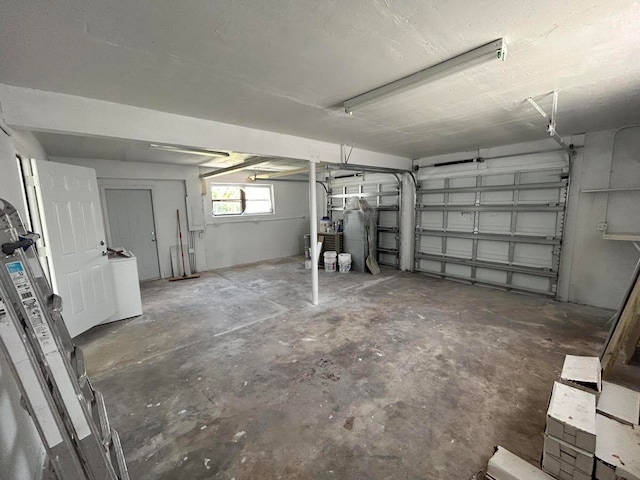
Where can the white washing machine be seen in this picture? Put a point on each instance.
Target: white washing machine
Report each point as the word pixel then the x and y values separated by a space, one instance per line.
pixel 126 288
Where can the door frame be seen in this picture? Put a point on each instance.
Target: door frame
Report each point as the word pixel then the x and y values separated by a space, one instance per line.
pixel 112 185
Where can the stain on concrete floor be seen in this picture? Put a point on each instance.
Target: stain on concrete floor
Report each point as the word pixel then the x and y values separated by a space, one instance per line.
pixel 235 375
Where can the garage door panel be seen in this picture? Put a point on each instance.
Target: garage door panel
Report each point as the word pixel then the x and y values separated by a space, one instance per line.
pixel 387 239
pixel 433 199
pixel 503 230
pixel 495 222
pixel 496 197
pixel 460 221
pixel 386 258
pixel 491 276
pixel 429 266
pixel 462 198
pixel 456 270
pixel 533 255
pixel 550 195
pixel 459 247
pixel 493 251
pixel 460 182
pixel 387 218
pixel 430 245
pixel 502 179
pixel 431 220
pixel 431 184
pixel 540 176
pixel 530 282
pixel 537 223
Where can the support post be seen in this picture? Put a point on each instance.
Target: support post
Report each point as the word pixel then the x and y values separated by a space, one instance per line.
pixel 313 215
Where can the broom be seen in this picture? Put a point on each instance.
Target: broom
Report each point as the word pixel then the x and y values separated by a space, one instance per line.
pixel 184 270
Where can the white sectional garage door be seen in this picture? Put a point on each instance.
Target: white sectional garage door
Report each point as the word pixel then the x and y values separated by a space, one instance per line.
pixel 492 226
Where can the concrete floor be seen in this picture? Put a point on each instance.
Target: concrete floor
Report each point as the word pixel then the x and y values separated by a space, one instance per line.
pixel 399 376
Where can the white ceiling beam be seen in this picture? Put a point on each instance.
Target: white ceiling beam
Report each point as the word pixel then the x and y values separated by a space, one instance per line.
pixel 38 110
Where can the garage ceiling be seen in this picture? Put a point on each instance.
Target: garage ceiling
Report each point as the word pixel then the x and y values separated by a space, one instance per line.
pixel 288 65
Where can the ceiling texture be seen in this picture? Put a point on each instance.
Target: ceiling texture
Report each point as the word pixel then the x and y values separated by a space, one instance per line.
pixel 287 65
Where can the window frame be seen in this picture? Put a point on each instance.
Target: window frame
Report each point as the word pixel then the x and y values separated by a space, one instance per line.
pixel 242 200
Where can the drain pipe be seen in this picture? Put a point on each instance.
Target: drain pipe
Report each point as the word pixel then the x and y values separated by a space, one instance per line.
pixel 313 215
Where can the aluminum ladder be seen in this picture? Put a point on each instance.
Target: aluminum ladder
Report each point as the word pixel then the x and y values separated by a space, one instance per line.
pixel 69 414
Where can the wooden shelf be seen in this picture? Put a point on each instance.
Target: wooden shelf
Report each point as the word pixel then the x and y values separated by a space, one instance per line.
pixel 625 237
pixel 609 190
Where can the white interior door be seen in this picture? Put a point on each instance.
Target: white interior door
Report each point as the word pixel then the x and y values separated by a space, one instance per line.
pixel 73 231
pixel 132 227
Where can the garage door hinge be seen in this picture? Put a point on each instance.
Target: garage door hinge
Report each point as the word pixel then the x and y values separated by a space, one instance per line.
pixel 32 181
pixel 44 251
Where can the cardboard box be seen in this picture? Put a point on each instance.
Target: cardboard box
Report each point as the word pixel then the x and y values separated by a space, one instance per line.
pixel 584 373
pixel 561 469
pixel 569 454
pixel 571 417
pixel 617 450
pixel 504 465
pixel 619 403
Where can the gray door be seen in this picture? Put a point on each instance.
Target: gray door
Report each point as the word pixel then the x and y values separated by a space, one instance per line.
pixel 132 226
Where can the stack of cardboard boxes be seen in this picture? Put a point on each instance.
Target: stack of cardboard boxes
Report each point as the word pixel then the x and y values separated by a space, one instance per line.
pixel 592 430
pixel 570 436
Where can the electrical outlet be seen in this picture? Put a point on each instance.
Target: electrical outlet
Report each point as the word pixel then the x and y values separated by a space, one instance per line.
pixel 601 227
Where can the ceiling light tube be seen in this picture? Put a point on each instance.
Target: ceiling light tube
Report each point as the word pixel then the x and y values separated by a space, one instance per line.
pixel 235 168
pixel 495 49
pixel 284 173
pixel 191 151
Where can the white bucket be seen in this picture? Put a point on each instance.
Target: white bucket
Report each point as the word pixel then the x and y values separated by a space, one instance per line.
pixel 344 262
pixel 330 261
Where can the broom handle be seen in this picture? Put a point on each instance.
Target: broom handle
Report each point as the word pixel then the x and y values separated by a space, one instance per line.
pixel 184 270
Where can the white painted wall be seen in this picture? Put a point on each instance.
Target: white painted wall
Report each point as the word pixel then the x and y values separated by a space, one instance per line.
pixel 224 241
pixel 597 271
pixel 21 451
pixel 239 240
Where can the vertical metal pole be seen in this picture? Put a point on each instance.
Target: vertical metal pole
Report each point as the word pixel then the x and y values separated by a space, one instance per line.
pixel 313 215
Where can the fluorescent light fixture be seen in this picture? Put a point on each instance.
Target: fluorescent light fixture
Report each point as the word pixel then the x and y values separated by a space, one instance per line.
pixel 492 50
pixel 283 173
pixel 191 151
pixel 240 166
